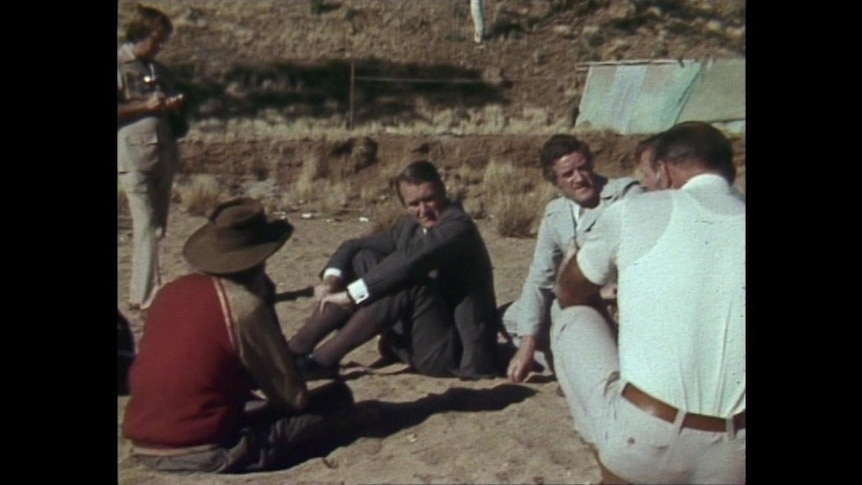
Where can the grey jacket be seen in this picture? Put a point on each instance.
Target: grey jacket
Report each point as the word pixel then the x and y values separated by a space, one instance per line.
pixel 529 312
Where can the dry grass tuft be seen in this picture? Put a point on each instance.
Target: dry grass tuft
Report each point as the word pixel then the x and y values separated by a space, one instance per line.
pixel 515 197
pixel 386 215
pixel 258 169
pixel 333 197
pixel 372 195
pixel 516 215
pixel 313 169
pixel 202 195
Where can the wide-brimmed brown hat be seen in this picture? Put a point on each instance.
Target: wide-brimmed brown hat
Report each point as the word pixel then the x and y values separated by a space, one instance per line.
pixel 237 237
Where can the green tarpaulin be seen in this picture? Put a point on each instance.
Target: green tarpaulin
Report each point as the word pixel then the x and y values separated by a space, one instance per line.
pixel 641 97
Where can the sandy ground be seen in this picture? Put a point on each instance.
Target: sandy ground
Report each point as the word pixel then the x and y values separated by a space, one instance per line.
pixel 435 430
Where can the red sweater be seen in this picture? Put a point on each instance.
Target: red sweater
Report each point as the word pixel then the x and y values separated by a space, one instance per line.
pixel 188 385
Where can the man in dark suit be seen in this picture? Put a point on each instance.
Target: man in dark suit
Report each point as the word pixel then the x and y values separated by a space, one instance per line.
pixel 426 286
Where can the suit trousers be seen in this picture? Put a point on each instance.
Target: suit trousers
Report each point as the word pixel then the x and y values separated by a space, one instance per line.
pixel 149 196
pixel 417 320
pixel 632 443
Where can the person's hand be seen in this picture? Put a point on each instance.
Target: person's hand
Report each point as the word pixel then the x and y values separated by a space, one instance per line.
pixel 609 292
pixel 329 285
pixel 174 102
pixel 571 250
pixel 342 299
pixel 321 290
pixel 155 102
pixel 522 362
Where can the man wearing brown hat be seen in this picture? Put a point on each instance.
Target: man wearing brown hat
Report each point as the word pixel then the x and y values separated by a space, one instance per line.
pixel 210 339
pixel 426 286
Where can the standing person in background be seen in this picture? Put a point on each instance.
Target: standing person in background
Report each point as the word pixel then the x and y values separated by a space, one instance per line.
pixel 478 20
pixel 147 153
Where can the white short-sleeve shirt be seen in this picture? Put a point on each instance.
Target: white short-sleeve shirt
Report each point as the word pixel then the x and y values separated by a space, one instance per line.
pixel 679 259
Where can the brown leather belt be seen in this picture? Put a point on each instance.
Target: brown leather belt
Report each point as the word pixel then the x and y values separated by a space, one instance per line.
pixel 667 412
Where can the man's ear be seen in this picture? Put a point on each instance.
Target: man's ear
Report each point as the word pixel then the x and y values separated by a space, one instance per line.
pixel 659 168
pixel 662 174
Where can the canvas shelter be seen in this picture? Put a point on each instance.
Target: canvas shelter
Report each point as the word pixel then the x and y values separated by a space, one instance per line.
pixel 644 97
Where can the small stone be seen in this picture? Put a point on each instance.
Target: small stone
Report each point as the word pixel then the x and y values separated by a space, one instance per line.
pixel 565 31
pixel 590 30
pixel 736 32
pixel 714 26
pixel 307 215
pixel 621 10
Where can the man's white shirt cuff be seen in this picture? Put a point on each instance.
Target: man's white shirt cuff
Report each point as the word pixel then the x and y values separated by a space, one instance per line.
pixel 358 291
pixel 332 272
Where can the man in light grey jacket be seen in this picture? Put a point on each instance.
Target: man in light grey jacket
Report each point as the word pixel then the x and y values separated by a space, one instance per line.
pixel 568 164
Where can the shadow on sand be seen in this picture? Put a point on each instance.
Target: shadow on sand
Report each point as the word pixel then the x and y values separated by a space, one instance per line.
pixel 378 419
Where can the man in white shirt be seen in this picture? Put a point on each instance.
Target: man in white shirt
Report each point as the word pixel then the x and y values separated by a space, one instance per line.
pixel 665 401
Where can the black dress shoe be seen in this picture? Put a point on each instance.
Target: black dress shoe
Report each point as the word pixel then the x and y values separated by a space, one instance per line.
pixel 311 370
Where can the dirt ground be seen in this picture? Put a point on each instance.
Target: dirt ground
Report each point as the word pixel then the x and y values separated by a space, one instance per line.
pixel 268 90
pixel 439 430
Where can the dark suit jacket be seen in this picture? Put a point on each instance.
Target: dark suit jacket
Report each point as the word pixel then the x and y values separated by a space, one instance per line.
pixel 455 250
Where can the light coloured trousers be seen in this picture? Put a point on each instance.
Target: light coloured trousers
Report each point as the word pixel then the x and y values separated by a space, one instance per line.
pixel 149 196
pixel 514 314
pixel 478 20
pixel 631 443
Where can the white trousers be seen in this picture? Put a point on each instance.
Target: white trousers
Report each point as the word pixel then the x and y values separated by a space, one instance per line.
pixel 478 20
pixel 631 443
pixel 149 196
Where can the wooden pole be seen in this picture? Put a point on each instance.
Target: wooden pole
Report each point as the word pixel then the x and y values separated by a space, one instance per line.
pixel 352 81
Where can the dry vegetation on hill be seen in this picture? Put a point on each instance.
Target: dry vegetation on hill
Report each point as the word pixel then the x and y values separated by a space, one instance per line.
pixel 269 89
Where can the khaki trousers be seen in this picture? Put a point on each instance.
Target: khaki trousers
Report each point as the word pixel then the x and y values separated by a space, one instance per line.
pixel 149 196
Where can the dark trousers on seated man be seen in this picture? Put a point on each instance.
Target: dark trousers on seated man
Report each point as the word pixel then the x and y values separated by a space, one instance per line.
pixel 267 440
pixel 416 323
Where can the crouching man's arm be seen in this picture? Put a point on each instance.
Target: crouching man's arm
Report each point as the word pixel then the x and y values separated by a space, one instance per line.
pixel 261 345
pixel 573 288
pixel 522 362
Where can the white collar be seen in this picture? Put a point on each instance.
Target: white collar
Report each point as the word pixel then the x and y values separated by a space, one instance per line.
pixel 705 180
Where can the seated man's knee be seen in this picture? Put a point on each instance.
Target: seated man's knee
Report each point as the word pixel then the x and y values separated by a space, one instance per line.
pixel 437 362
pixel 575 314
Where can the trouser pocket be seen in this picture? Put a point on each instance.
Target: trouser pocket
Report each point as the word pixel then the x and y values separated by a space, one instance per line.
pixel 142 150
